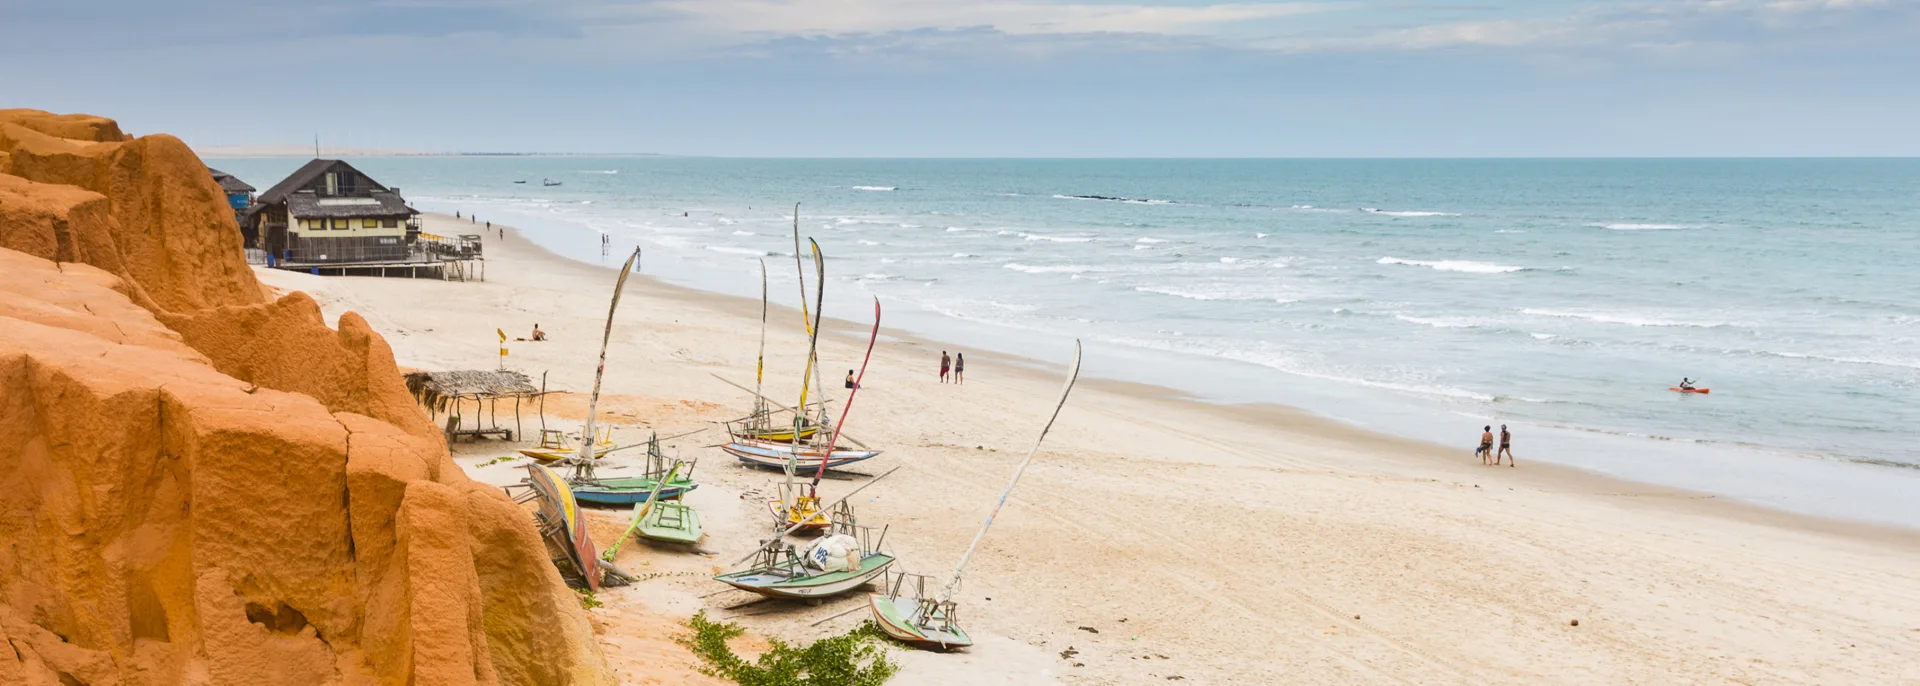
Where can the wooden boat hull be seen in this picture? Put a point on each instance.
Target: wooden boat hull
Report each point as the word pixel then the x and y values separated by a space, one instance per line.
pixel 899 618
pixel 817 524
pixel 781 435
pixel 776 455
pixel 629 490
pixel 775 584
pixel 549 455
pixel 671 522
pixel 558 501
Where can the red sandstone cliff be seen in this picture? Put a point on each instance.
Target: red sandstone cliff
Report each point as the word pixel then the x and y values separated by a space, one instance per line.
pixel 207 487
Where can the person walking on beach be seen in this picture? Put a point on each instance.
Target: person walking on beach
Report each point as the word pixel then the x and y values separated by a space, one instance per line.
pixel 946 363
pixel 1506 447
pixel 1486 444
pixel 959 367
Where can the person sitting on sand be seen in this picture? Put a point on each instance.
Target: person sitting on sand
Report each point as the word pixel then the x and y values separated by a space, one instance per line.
pixel 1506 447
pixel 1486 445
pixel 850 383
pixel 539 335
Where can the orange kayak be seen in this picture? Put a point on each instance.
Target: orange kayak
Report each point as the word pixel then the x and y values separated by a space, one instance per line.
pixel 1702 391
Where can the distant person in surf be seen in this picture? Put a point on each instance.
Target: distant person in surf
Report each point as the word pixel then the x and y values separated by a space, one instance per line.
pixel 1506 447
pixel 1486 444
pixel 959 367
pixel 946 363
pixel 539 335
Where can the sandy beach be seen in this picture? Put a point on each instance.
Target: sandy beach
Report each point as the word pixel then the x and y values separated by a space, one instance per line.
pixel 1159 537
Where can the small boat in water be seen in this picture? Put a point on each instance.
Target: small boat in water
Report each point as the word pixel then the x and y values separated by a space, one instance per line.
pixel 549 182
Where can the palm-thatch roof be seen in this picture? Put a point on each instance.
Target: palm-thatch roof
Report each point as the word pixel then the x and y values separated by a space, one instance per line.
pixel 436 390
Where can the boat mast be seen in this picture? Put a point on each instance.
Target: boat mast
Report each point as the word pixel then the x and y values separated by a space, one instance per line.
pixel 812 373
pixel 583 460
pixel 827 452
pixel 760 413
pixel 1073 373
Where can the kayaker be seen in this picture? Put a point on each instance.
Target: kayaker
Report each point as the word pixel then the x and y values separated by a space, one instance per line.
pixel 1686 384
pixel 1506 447
pixel 1486 444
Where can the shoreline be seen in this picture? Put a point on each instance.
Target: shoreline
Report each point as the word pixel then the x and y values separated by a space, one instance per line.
pixel 1299 420
pixel 1152 516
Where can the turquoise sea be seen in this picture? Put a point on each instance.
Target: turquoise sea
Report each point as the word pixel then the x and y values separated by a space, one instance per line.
pixel 1419 297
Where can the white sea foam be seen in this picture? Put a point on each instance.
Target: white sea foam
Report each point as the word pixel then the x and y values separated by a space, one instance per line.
pixel 728 249
pixel 1623 319
pixel 875 188
pixel 743 233
pixel 1645 227
pixel 1469 266
pixel 1259 235
pixel 1106 198
pixel 1056 239
pixel 1408 213
pixel 1229 260
pixel 876 276
pixel 956 229
pixel 599 171
pixel 1143 247
pixel 1441 322
pixel 1150 239
pixel 867 242
pixel 964 255
pixel 1047 269
pixel 1223 292
pixel 1544 336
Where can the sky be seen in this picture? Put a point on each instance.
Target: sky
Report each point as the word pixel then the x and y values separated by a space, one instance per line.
pixel 989 78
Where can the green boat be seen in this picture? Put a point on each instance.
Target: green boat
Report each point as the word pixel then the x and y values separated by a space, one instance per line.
pixel 780 573
pixel 671 521
pixel 920 622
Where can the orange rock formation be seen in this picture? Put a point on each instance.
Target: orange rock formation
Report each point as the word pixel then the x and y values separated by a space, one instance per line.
pixel 208 487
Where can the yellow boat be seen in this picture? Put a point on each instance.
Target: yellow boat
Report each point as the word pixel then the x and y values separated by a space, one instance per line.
pixel 784 435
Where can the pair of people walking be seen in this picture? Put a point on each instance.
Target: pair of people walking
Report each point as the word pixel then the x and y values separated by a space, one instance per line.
pixel 1485 451
pixel 957 364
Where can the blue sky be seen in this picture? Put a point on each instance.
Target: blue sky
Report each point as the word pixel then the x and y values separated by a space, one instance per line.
pixel 1016 78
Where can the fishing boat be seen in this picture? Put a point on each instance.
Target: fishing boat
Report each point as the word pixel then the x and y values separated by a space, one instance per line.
pixel 658 519
pixel 556 446
pixel 561 525
pixel 662 480
pixel 780 571
pixel 669 521
pixel 932 621
pixel 803 458
pixel 549 182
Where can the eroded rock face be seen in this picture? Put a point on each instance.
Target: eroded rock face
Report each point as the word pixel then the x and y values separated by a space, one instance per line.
pixel 208 487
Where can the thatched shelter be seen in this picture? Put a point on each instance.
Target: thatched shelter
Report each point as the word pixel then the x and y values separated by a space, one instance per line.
pixel 446 392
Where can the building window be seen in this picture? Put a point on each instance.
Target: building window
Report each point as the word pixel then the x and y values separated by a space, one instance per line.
pixel 369 223
pixel 390 223
pixel 333 183
pixel 340 224
pixel 389 241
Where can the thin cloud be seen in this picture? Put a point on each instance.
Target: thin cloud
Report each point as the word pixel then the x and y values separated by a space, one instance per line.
pixel 1013 17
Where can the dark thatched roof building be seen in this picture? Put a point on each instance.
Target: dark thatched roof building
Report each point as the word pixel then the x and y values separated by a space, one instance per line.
pixel 329 213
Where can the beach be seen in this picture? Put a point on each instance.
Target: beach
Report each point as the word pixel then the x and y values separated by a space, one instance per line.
pixel 1157 536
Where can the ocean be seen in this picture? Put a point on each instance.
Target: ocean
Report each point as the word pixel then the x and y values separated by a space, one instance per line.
pixel 1424 298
